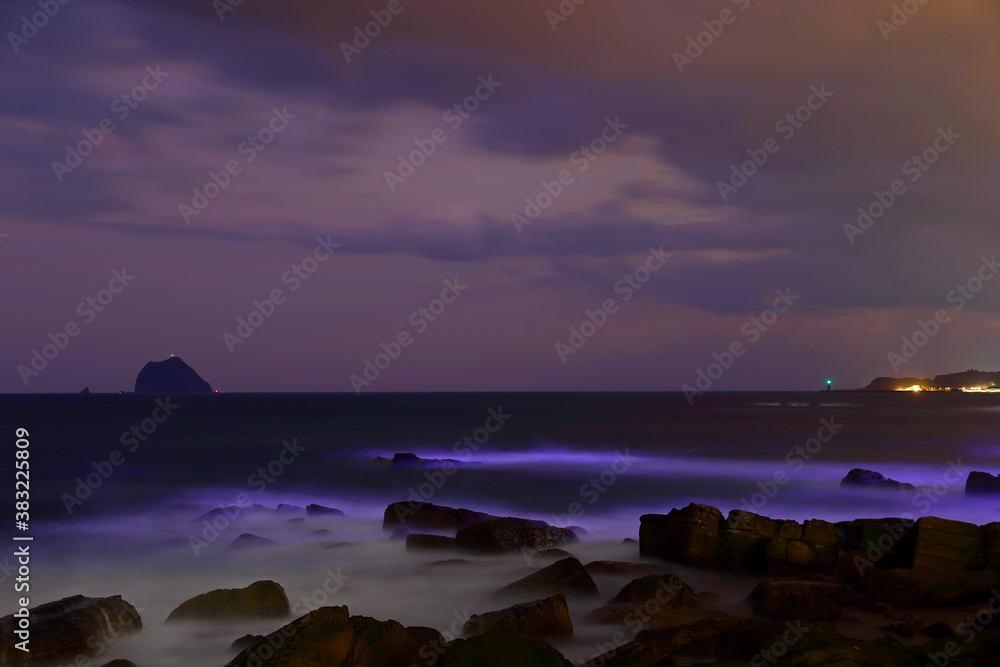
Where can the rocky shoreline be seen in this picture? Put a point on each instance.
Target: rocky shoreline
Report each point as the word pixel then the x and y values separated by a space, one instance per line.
pixel 891 591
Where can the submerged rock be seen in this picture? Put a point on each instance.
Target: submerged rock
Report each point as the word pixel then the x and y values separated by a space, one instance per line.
pixel 320 510
pixel 653 599
pixel 428 516
pixel 66 629
pixel 982 482
pixel 421 542
pixel 411 460
pixel 510 534
pixel 541 618
pixel 565 576
pixel 870 478
pixel 250 541
pixel 261 599
pixel 616 568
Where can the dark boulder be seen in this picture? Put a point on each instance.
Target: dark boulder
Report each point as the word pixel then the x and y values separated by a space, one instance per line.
pixel 320 510
pixel 427 516
pixel 652 599
pixel 330 637
pixel 246 641
pixel 540 618
pixel 501 648
pixel 250 541
pixel 510 534
pixel 803 548
pixel 796 599
pixel 261 599
pixel 991 545
pixel 168 377
pixel 927 587
pixel 982 482
pixel 421 542
pixel 688 535
pixel 872 479
pixel 69 628
pixel 907 626
pixel 885 543
pixel 944 543
pixel 565 576
pixel 619 568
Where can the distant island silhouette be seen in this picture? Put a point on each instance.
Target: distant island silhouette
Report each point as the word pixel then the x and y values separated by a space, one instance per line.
pixel 961 380
pixel 170 376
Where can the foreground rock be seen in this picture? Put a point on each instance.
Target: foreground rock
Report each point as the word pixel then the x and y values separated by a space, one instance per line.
pixel 261 599
pixel 927 587
pixel 170 376
pixel 68 628
pixel 982 482
pixel 428 516
pixel 728 638
pixel 331 637
pixel 541 618
pixel 510 534
pixel 870 478
pixel 796 599
pixel 565 576
pixel 651 600
pixel 944 543
pixel 501 648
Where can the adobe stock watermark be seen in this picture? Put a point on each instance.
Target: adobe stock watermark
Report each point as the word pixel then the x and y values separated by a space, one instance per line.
pixel 463 450
pixel 900 16
pixel 88 310
pixel 259 480
pixel 627 287
pixel 130 441
pixel 30 25
pixel 958 297
pixel 223 7
pixel 364 34
pixel 295 276
pixel 752 330
pixel 914 169
pixel 420 320
pixel 581 159
pixel 591 491
pixel 698 43
pixel 786 126
pixel 454 117
pixel 249 149
pixel 562 12
pixel 121 107
pixel 795 460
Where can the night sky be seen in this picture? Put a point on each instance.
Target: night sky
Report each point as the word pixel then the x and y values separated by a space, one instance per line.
pixel 675 168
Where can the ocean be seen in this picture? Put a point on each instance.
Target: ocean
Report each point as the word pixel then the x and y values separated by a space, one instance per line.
pixel 118 483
